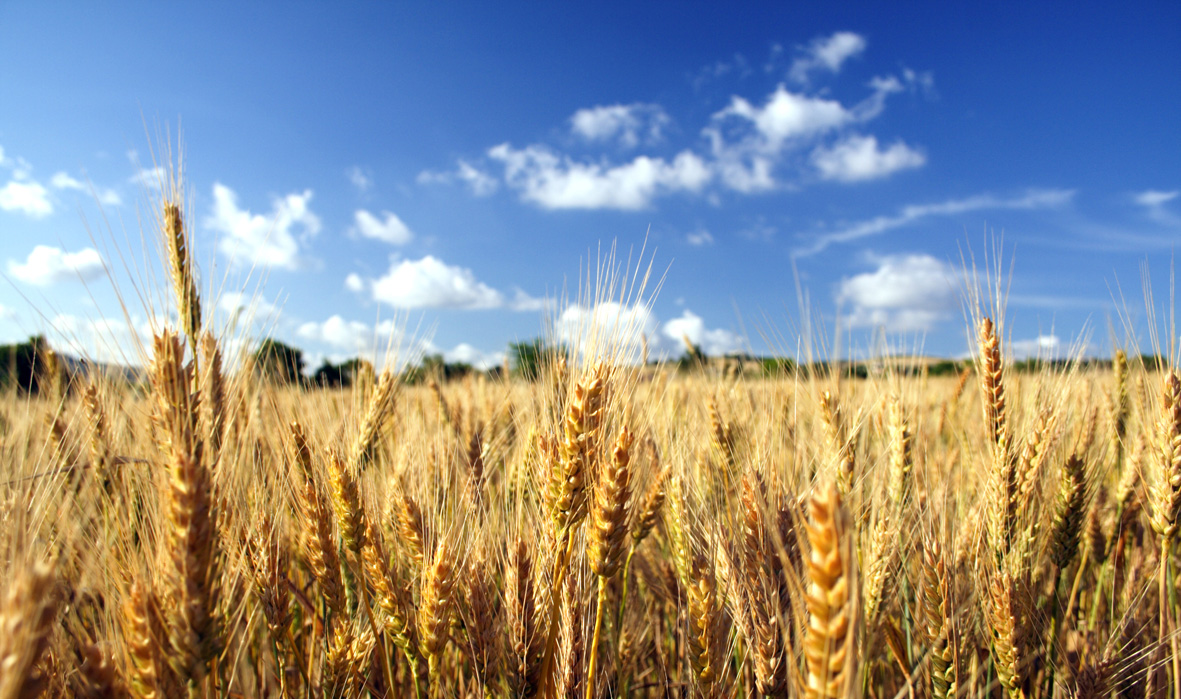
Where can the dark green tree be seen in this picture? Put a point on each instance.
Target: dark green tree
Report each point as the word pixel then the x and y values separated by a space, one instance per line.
pixel 21 365
pixel 279 362
pixel 529 358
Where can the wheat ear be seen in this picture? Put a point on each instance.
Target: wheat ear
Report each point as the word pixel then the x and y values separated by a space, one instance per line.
pixel 193 551
pixel 184 284
pixel 318 544
pixel 830 615
pixel 1002 498
pixel 26 620
pixel 525 630
pixel 434 612
pixel 606 534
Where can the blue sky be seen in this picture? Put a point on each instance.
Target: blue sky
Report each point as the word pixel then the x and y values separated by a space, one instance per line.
pixel 448 166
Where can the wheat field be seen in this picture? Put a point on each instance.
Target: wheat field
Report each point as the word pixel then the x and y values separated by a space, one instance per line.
pixel 601 530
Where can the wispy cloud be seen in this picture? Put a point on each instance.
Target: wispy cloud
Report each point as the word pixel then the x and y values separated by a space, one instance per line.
pixel 1031 199
pixel 106 196
pixel 361 179
pixel 479 182
pixel 1153 198
pixel 826 53
pixel 388 229
pixel 1154 202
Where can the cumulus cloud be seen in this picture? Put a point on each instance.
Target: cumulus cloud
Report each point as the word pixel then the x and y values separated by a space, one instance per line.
pixel 272 240
pixel 348 335
pixel 906 293
pixel 354 283
pixel 48 265
pixel 431 283
pixel 826 53
pixel 787 115
pixel 699 238
pixel 748 141
pixel 714 342
pixel 607 328
pixel 360 179
pixel 628 124
pixel 858 158
pixel 388 229
pixel 27 197
pixel 1031 199
pixel 557 182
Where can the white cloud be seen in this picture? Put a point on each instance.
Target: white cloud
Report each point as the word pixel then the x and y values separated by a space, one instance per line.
pixel 48 265
pixel 630 124
pixel 787 115
pixel 1040 347
pixel 350 335
pixel 557 182
pixel 251 306
pixel 354 283
pixel 62 180
pixel 749 141
pixel 390 230
pixel 1154 202
pixel 466 354
pixel 1153 198
pixel 906 293
pixel 27 197
pixel 269 241
pixel 608 329
pixel 150 177
pixel 430 283
pixel 1032 199
pixel 481 183
pixel 712 342
pixel 858 158
pixel 360 179
pixel 827 53
pixel 699 238
pixel 524 302
pixel 109 340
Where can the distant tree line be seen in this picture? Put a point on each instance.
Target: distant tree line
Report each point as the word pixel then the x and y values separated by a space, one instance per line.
pixel 23 367
pixel 30 366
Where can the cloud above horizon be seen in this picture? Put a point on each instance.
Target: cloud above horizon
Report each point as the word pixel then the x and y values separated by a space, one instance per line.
pixel 48 265
pixel 272 240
